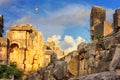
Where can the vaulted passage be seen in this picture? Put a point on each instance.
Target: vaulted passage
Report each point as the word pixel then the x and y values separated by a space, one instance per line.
pixel 14 52
pixel 13 47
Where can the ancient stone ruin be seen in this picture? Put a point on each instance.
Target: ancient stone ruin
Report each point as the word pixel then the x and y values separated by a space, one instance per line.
pixel 25 46
pixel 117 20
pixel 97 60
pixel 98 24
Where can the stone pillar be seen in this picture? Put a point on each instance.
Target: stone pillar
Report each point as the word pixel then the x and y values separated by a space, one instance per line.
pixel 4 51
pixel 116 20
pixel 1 25
pixel 97 18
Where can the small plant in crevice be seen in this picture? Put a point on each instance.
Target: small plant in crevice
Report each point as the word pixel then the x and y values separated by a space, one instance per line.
pixel 98 37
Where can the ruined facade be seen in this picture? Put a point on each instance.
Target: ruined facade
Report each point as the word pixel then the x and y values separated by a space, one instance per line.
pixel 101 60
pixel 98 24
pixel 51 47
pixel 25 46
pixel 4 50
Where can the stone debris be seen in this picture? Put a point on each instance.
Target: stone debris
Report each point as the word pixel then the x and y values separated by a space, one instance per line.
pixel 100 76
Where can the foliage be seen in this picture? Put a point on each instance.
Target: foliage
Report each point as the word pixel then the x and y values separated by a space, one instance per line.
pixel 98 37
pixel 7 71
pixel 1 35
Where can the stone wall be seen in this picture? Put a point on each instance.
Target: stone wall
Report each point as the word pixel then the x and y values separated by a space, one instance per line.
pixel 98 24
pixel 4 50
pixel 108 28
pixel 116 19
pixel 97 18
pixel 26 47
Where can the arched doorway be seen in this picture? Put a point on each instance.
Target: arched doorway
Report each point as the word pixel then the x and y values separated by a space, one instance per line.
pixel 13 47
pixel 14 52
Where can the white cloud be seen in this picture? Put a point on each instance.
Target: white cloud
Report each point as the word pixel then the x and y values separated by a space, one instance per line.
pixel 57 21
pixel 69 40
pixel 69 43
pixel 56 38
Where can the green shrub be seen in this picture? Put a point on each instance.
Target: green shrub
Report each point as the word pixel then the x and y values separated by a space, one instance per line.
pixel 7 71
pixel 98 37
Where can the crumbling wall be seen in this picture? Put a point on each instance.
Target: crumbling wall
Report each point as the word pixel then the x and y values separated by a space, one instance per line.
pixel 99 27
pixel 97 18
pixel 4 50
pixel 26 47
pixel 116 20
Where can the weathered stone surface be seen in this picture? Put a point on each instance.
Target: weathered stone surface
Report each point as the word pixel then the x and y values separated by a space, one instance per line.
pixel 97 18
pixel 100 76
pixel 73 66
pixel 26 47
pixel 99 27
pixel 3 50
pixel 60 70
pixel 107 28
pixel 83 47
pixel 116 60
pixel 117 20
pixel 34 76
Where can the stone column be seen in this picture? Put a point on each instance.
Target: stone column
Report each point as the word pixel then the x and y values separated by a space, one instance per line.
pixel 116 20
pixel 97 18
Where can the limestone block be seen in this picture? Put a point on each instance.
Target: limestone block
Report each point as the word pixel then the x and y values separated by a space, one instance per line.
pixel 115 61
pixel 28 61
pixel 46 61
pixel 29 57
pixel 107 28
pixel 14 57
pixel 20 66
pixel 99 76
pixel 28 67
pixel 36 62
pixel 117 20
pixel 3 53
pixel 60 70
pixel 41 60
pixel 83 47
pixel 35 67
pixel 36 56
pixel 73 66
pixel 97 18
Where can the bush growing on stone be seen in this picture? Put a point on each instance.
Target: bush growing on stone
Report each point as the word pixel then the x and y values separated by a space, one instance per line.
pixel 6 71
pixel 99 37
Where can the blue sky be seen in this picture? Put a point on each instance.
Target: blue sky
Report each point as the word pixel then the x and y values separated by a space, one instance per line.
pixel 59 19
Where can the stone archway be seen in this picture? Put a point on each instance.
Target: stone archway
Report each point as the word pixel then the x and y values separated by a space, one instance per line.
pixel 13 47
pixel 14 52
